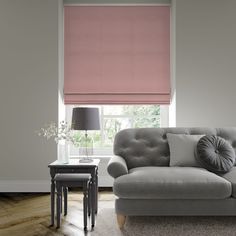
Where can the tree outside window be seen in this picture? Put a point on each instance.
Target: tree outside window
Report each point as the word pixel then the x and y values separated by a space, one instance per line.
pixel 118 117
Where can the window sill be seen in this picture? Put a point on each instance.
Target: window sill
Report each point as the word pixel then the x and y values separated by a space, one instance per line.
pixel 93 156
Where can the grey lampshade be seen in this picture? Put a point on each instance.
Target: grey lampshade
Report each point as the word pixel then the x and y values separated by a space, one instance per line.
pixel 85 118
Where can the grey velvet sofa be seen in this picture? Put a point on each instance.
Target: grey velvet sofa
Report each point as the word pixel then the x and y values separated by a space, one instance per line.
pixel 145 184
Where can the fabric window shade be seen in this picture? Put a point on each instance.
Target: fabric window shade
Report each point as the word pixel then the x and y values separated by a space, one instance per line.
pixel 117 54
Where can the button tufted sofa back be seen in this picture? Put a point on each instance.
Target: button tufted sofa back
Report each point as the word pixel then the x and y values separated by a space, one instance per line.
pixel 149 146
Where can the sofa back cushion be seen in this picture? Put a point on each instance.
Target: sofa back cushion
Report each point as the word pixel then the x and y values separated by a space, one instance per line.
pixel 149 146
pixel 182 148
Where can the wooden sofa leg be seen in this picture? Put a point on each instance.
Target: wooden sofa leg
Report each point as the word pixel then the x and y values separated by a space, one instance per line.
pixel 121 220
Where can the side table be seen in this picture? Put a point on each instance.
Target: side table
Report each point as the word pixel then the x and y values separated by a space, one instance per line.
pixel 74 166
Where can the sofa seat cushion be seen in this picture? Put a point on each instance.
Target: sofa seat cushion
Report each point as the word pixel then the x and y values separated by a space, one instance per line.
pixel 171 183
pixel 231 177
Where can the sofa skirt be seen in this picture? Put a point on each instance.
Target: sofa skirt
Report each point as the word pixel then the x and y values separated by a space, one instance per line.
pixel 175 207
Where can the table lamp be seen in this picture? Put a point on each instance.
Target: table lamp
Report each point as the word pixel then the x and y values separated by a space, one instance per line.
pixel 85 118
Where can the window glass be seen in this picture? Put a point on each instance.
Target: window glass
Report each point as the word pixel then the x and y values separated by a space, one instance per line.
pixel 113 119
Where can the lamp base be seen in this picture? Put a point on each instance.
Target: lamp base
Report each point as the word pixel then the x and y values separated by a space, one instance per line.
pixel 85 160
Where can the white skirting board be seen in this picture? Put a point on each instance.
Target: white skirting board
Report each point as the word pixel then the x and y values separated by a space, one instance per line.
pixel 8 186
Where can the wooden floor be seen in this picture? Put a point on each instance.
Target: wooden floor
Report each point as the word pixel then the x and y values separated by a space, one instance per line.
pixel 29 214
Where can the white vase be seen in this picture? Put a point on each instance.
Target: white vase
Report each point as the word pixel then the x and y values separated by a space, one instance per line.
pixel 63 152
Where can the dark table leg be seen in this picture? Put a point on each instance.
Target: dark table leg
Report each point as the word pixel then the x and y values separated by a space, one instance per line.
pixel 59 200
pixel 93 197
pixel 85 204
pixel 89 199
pixel 52 196
pixel 65 190
pixel 96 191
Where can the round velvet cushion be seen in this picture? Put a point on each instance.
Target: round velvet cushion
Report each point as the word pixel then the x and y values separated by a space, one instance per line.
pixel 215 154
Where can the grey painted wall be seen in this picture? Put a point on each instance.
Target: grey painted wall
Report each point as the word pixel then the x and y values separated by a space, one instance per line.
pixel 205 63
pixel 117 1
pixel 205 76
pixel 28 86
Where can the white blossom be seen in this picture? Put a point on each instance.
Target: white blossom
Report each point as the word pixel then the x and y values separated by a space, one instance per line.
pixel 61 132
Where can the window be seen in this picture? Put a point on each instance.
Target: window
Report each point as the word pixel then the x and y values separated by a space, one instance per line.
pixel 105 62
pixel 115 118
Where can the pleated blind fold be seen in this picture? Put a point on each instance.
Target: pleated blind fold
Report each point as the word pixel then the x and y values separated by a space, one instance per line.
pixel 117 54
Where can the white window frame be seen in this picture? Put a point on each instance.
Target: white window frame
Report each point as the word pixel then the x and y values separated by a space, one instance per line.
pixel 107 151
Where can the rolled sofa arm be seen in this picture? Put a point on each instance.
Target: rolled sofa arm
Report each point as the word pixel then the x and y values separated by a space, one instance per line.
pixel 117 167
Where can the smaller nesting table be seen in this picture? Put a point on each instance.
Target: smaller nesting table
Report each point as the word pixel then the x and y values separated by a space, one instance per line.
pixel 63 181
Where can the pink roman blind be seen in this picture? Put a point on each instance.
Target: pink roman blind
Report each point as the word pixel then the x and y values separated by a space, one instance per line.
pixel 117 54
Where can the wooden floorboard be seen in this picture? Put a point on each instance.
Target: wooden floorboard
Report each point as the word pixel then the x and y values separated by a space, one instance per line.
pixel 29 214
